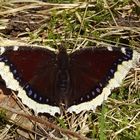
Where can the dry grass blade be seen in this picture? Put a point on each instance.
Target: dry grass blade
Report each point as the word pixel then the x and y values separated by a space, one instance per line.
pixel 75 25
pixel 7 128
pixel 48 124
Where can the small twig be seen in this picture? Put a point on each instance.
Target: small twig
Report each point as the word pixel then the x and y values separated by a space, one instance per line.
pixel 128 126
pixel 107 6
pixel 81 26
pixel 7 128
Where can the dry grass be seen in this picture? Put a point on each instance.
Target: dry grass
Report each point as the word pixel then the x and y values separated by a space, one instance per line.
pixel 75 25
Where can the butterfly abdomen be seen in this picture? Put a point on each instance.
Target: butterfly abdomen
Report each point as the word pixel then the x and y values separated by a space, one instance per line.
pixel 62 81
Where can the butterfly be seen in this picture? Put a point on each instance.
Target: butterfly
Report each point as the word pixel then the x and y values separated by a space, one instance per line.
pixel 46 80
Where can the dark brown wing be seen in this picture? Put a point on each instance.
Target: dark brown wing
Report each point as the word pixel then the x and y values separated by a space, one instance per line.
pixel 34 69
pixel 91 70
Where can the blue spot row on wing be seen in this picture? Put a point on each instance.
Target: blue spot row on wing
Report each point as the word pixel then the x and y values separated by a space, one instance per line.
pixel 34 95
pixel 99 87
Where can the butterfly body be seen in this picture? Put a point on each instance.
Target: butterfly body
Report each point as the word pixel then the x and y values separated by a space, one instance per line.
pixel 62 79
pixel 81 80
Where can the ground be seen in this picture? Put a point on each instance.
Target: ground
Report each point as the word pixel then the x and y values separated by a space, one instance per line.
pixel 74 24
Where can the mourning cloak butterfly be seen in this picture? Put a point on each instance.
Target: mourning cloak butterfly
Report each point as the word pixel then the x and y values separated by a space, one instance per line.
pixel 81 80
